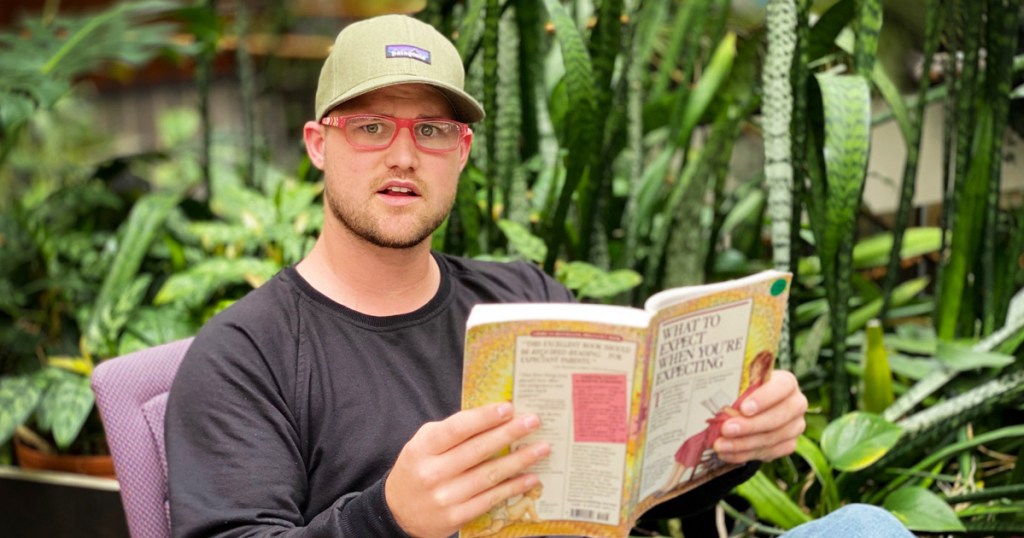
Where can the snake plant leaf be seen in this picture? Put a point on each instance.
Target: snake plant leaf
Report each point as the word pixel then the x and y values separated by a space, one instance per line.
pixel 846 102
pixel 878 393
pixel 771 503
pixel 823 33
pixel 778 114
pixel 468 28
pixel 937 455
pixel 857 319
pixel 19 396
pixel 921 510
pixel 968 228
pixel 67 403
pixel 847 108
pixel 582 136
pixel 856 440
pixel 869 24
pixel 715 75
pixel 894 99
pixel 195 286
pixel 522 241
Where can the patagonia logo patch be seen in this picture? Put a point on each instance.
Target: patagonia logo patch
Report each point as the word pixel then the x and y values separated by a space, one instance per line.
pixel 407 51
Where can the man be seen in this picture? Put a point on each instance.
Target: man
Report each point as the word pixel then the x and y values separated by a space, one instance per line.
pixel 326 402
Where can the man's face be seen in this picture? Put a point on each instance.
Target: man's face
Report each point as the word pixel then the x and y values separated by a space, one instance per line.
pixel 394 197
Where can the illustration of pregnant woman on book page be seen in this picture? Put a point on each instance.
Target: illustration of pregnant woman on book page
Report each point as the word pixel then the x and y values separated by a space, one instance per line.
pixel 692 452
pixel 514 510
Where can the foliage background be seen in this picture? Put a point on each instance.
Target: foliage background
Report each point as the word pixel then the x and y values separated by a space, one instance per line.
pixel 607 158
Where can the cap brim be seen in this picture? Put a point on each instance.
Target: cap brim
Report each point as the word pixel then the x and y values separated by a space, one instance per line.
pixel 466 108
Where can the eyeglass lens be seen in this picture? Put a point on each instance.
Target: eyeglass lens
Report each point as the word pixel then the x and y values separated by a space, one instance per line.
pixel 378 132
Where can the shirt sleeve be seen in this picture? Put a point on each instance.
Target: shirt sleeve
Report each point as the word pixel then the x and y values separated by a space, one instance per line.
pixel 235 465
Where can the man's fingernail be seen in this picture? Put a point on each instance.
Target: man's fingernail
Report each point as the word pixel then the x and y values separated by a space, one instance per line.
pixel 531 480
pixel 531 421
pixel 731 429
pixel 505 410
pixel 724 446
pixel 542 450
pixel 749 407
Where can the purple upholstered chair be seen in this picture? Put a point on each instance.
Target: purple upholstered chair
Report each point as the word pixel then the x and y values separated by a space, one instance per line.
pixel 131 393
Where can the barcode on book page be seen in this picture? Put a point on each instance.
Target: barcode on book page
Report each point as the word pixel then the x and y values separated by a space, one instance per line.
pixel 590 515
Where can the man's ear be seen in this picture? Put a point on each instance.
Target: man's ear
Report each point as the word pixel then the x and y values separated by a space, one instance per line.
pixel 464 147
pixel 313 136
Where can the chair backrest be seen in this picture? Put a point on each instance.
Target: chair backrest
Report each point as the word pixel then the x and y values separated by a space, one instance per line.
pixel 131 394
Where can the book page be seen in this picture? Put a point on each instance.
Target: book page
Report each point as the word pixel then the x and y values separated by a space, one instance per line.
pixel 579 385
pixel 698 357
pixel 583 380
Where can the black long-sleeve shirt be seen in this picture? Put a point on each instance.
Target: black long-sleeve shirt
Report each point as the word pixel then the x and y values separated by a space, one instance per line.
pixel 289 409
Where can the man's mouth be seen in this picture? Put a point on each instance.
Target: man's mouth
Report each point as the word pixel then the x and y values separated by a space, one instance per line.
pixel 398 191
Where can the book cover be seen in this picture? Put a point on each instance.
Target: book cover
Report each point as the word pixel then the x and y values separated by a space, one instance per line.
pixel 630 400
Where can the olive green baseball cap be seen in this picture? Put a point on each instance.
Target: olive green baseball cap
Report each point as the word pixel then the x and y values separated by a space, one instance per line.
pixel 389 50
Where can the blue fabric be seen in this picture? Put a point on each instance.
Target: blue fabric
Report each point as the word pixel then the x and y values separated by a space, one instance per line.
pixel 853 521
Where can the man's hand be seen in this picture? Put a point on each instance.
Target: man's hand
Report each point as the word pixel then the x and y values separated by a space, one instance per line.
pixel 446 474
pixel 771 419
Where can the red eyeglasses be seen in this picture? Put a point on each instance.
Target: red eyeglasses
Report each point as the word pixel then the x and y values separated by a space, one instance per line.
pixel 372 132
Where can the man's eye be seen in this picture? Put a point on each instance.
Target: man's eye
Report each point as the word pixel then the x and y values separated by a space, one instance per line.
pixel 427 129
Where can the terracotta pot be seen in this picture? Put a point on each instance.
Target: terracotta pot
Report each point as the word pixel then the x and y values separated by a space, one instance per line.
pixel 30 458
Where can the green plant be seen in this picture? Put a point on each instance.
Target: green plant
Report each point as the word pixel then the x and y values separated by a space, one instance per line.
pixel 619 152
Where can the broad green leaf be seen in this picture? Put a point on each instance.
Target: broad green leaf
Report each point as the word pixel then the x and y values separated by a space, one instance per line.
pixel 610 284
pixel 144 223
pixel 922 510
pixel 67 403
pixel 856 440
pixel 771 503
pixel 19 396
pixel 177 126
pixel 196 285
pixel 522 241
pixel 153 326
pixel 110 317
pixel 575 275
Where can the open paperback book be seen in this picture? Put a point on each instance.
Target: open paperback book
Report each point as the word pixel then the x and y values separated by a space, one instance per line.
pixel 630 400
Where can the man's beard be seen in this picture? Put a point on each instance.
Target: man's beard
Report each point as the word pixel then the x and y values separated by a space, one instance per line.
pixel 365 227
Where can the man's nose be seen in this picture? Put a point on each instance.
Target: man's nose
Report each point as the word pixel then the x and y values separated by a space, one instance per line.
pixel 403 152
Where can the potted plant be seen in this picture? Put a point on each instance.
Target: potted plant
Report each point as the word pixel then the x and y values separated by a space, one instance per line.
pixel 61 231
